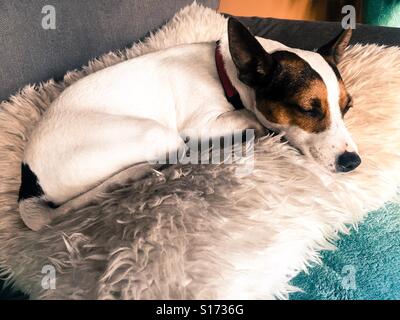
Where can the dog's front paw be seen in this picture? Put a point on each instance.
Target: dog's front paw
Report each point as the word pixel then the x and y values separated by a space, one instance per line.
pixel 251 123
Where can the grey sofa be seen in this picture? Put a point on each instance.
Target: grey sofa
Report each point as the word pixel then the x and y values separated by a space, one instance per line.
pixel 88 28
pixel 84 29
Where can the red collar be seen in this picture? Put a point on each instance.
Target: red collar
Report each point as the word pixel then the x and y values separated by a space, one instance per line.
pixel 232 95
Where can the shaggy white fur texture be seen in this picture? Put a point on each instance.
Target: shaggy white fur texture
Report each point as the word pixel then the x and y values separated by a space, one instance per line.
pixel 201 231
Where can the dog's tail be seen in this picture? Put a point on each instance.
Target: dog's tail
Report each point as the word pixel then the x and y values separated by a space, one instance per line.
pixel 36 212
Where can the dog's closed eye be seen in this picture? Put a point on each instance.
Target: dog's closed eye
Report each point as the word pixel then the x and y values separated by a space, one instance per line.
pixel 312 109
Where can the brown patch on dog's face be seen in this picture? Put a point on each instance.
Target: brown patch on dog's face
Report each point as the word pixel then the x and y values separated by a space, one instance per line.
pixel 297 96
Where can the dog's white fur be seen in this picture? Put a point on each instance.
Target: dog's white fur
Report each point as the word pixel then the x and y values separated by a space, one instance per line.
pixel 132 112
pixel 138 110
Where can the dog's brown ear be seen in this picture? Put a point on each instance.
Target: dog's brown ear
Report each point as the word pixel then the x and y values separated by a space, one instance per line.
pixel 336 47
pixel 253 63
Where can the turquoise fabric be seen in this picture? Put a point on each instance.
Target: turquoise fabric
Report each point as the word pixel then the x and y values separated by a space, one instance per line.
pixel 382 12
pixel 366 265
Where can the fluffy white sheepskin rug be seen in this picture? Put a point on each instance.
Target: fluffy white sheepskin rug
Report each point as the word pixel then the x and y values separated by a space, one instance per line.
pixel 202 231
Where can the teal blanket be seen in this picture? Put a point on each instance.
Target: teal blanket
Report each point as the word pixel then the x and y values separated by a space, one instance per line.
pixel 382 12
pixel 365 266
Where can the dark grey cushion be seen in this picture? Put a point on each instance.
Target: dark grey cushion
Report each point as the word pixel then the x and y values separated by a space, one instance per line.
pixel 84 29
pixel 311 35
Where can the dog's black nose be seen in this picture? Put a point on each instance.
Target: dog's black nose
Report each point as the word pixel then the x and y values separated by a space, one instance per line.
pixel 348 161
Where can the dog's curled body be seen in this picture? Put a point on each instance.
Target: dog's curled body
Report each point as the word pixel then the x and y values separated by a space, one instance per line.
pixel 139 110
pixel 129 113
pixel 133 112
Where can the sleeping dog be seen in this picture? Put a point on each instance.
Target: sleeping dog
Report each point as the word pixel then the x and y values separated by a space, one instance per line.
pixel 138 110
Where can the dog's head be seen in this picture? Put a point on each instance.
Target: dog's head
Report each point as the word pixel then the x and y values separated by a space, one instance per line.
pixel 300 93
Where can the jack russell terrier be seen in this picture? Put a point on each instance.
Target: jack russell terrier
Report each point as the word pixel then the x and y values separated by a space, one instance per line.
pixel 139 110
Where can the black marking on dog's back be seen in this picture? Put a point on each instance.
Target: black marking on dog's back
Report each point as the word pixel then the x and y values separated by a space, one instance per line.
pixel 30 187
